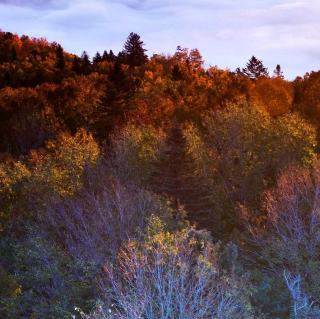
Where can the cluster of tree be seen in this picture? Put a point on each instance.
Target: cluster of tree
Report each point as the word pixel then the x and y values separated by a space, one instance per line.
pixel 152 187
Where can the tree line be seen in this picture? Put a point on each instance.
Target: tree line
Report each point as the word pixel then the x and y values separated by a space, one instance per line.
pixel 153 187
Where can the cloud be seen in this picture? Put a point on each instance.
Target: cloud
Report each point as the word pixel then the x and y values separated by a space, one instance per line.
pixel 226 32
pixel 39 4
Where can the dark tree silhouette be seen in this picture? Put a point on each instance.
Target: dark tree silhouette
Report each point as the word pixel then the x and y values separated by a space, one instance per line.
pixel 60 61
pixel 238 71
pixel 85 58
pixel 97 58
pixel 134 51
pixel 13 54
pixel 278 72
pixel 122 58
pixel 76 65
pixel 85 63
pixel 105 56
pixel 176 74
pixel 255 69
pixel 112 56
pixel 118 76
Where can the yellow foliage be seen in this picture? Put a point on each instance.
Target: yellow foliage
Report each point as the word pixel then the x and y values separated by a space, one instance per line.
pixel 62 166
pixel 8 285
pixel 53 172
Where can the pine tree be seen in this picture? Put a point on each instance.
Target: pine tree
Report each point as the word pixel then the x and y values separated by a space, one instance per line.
pixel 85 63
pixel 175 176
pixel 118 76
pixel 133 50
pixel 76 65
pixel 60 61
pixel 85 58
pixel 238 71
pixel 255 69
pixel 114 102
pixel 277 73
pixel 105 56
pixel 112 56
pixel 97 58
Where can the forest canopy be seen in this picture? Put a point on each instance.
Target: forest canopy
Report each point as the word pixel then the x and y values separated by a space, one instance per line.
pixel 136 186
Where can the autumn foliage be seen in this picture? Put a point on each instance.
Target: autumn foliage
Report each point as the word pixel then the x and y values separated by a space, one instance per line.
pixel 136 186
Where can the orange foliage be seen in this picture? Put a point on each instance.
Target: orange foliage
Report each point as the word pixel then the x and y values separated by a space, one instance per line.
pixel 274 94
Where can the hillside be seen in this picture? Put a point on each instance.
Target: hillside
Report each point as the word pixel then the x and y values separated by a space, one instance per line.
pixel 136 186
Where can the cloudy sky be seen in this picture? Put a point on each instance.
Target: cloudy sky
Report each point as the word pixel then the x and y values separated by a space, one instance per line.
pixel 227 32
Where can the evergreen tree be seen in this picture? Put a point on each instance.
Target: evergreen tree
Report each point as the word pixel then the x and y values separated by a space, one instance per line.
pixel 277 73
pixel 60 61
pixel 134 51
pixel 97 58
pixel 85 63
pixel 238 71
pixel 76 65
pixel 105 56
pixel 121 58
pixel 85 58
pixel 118 77
pixel 114 101
pixel 112 56
pixel 255 69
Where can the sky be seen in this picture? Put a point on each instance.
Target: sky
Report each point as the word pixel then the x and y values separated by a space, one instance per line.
pixel 227 32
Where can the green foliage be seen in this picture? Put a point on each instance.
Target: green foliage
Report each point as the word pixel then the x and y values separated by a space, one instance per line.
pixel 270 296
pixel 240 153
pixel 43 280
pixel 135 151
pixel 9 286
